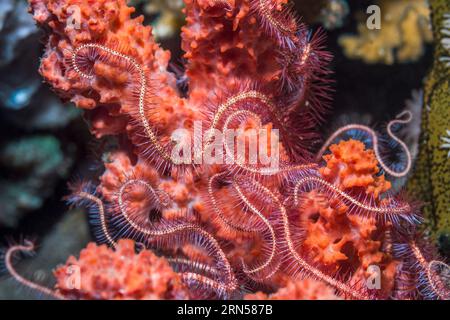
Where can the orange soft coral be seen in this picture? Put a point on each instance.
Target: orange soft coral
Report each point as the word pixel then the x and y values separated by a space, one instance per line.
pixel 180 197
pixel 120 275
pixel 109 22
pixel 306 289
pixel 334 238
pixel 349 165
pixel 220 46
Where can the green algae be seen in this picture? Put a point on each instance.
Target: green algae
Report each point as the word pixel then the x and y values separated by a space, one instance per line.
pixel 430 181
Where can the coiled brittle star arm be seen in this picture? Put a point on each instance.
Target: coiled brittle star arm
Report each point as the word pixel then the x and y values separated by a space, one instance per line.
pixel 250 94
pixel 436 284
pixel 266 103
pixel 308 268
pixel 101 214
pixel 247 229
pixel 219 213
pixel 27 247
pixel 376 144
pixel 269 227
pixel 143 87
pixel 266 171
pixel 229 284
pixel 186 264
pixel 280 24
pixel 381 212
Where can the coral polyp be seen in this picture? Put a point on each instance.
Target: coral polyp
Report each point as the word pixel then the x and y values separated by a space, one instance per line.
pixel 273 208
